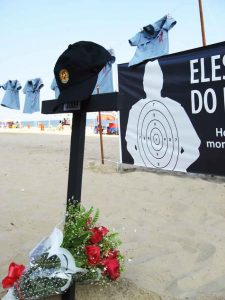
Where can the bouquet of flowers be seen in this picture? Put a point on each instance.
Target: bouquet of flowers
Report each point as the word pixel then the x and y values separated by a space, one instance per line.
pixel 85 252
pixel 93 247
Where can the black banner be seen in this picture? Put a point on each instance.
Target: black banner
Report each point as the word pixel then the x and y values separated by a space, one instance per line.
pixel 174 115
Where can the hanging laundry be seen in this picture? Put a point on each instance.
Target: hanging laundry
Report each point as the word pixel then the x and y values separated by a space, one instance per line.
pixel 105 79
pixel 55 88
pixel 152 41
pixel 11 97
pixel 32 99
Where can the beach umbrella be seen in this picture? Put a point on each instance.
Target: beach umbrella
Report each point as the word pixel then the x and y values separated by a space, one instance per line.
pixel 106 117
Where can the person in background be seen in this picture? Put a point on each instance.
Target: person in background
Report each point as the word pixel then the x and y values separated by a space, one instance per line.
pixel 60 126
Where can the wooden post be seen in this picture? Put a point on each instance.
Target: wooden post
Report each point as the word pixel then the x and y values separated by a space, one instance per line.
pixel 202 22
pixel 75 171
pixel 76 156
pixel 100 132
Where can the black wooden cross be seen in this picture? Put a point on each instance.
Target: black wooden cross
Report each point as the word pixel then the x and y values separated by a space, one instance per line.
pixel 100 102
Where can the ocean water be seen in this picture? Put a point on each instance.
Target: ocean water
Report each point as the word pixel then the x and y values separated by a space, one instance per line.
pixel 55 123
pixel 50 123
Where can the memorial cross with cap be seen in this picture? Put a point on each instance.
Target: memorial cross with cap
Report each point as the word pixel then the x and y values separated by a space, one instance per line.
pixel 76 73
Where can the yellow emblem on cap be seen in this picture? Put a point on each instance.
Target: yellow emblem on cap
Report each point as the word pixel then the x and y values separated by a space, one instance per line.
pixel 64 76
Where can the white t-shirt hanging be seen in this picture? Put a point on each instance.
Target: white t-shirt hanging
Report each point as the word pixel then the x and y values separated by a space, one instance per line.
pixel 105 79
pixel 55 88
pixel 152 41
pixel 11 97
pixel 32 99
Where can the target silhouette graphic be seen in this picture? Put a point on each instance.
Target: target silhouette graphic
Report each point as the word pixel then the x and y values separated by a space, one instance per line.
pixel 159 132
pixel 157 136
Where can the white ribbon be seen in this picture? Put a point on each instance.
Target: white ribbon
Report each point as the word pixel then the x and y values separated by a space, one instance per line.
pixel 66 259
pixel 9 295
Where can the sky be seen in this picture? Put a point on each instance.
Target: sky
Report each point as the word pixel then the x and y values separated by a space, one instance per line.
pixel 35 33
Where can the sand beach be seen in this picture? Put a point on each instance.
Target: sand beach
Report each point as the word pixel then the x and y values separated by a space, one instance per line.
pixel 172 226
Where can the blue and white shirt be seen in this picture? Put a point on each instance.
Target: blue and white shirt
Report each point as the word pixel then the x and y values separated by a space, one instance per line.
pixel 152 41
pixel 11 97
pixel 105 78
pixel 55 88
pixel 32 99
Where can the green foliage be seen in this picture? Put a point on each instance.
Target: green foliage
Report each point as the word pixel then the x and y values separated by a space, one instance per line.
pixel 95 218
pixel 76 234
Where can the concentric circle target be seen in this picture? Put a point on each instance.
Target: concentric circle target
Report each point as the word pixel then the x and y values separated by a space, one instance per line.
pixel 157 136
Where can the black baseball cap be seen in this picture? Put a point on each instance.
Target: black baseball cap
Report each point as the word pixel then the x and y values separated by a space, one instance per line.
pixel 76 70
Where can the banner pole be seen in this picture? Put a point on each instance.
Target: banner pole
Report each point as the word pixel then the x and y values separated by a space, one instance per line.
pixel 202 22
pixel 100 132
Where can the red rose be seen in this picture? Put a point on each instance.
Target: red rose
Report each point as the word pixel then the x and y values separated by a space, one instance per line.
pixel 103 230
pixel 113 253
pixel 98 233
pixel 93 254
pixel 112 268
pixel 96 236
pixel 7 282
pixel 14 273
